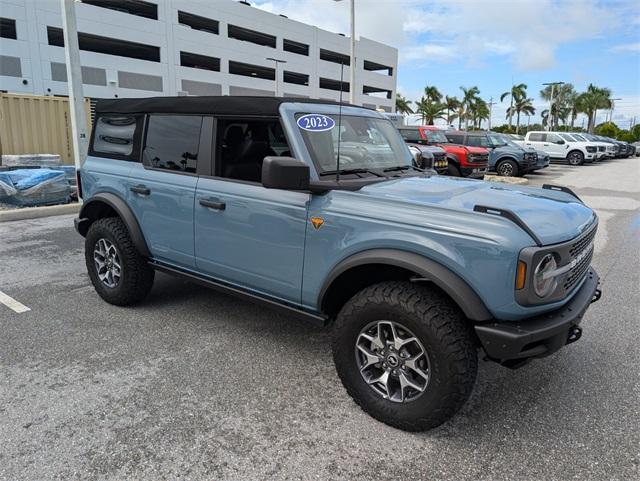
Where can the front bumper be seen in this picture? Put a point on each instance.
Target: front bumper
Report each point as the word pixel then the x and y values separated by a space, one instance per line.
pixel 512 342
pixel 474 172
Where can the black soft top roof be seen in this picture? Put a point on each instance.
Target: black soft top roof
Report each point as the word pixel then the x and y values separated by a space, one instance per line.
pixel 221 105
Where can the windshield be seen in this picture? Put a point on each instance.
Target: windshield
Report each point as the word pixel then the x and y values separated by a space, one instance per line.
pixel 365 143
pixel 567 137
pixel 437 136
pixel 579 137
pixel 508 141
pixel 498 140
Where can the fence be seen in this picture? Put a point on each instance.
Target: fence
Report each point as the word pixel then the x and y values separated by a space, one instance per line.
pixel 33 124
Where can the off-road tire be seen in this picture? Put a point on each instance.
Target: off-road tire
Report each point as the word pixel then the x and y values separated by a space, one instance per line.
pixel 441 328
pixel 575 157
pixel 453 170
pixel 137 277
pixel 503 168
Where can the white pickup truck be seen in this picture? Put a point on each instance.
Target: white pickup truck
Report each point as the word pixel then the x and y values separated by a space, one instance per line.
pixel 561 146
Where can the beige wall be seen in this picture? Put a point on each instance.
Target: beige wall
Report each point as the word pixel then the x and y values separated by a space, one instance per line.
pixel 32 124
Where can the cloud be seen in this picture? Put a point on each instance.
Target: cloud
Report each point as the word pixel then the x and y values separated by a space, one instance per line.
pixel 527 32
pixel 626 47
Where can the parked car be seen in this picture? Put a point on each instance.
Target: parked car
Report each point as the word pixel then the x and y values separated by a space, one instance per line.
pixel 543 158
pixel 463 161
pixel 414 271
pixel 609 147
pixel 507 159
pixel 560 147
pixel 602 146
pixel 636 146
pixel 412 137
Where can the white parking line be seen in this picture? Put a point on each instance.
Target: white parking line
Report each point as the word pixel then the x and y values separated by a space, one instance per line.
pixel 12 304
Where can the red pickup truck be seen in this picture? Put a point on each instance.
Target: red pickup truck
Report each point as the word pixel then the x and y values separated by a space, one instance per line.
pixel 464 161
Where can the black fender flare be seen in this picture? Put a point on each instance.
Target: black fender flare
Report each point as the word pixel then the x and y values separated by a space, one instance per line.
pixel 429 270
pixel 90 208
pixel 453 158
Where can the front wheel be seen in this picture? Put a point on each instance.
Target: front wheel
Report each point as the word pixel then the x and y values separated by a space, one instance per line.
pixel 405 354
pixel 507 168
pixel 575 157
pixel 453 170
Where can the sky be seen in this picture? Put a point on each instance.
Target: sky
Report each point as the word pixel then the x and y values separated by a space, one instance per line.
pixel 493 44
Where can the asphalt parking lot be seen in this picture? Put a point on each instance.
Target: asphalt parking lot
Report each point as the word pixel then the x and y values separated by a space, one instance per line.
pixel 193 384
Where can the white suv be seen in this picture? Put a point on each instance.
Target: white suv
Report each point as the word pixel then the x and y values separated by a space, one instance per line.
pixel 605 149
pixel 561 146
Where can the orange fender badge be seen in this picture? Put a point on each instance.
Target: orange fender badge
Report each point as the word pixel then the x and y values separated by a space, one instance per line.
pixel 317 222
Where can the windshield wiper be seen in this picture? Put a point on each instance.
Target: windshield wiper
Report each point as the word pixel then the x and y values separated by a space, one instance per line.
pixel 402 167
pixel 352 171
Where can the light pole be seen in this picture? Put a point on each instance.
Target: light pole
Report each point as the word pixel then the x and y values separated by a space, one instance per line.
pixel 277 61
pixel 352 57
pixel 550 117
pixel 79 134
pixel 611 109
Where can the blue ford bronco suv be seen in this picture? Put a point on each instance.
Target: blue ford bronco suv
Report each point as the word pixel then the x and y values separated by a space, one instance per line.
pixel 316 209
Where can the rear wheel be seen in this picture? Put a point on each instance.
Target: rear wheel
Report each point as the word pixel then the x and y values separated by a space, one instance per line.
pixel 120 275
pixel 507 168
pixel 405 354
pixel 575 157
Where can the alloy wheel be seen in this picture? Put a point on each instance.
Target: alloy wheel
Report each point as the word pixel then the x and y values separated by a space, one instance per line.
pixel 107 262
pixel 392 361
pixel 575 158
pixel 506 169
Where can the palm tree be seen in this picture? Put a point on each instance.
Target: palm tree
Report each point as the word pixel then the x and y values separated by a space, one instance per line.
pixel 561 98
pixel 461 114
pixel 522 106
pixel 517 92
pixel 469 96
pixel 593 99
pixel 478 111
pixel 451 104
pixel 433 94
pixel 573 107
pixel 403 105
pixel 430 111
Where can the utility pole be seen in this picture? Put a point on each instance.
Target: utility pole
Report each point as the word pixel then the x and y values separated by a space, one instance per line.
pixel 491 103
pixel 352 56
pixel 79 132
pixel 276 62
pixel 611 109
pixel 550 117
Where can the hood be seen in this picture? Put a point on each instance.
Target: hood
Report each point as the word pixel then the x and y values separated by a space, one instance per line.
pixel 468 148
pixel 553 216
pixel 511 149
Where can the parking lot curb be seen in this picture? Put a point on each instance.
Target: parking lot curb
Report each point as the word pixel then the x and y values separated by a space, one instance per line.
pixel 506 180
pixel 36 212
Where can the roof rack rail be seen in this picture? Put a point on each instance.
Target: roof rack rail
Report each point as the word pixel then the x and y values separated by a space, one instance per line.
pixel 512 216
pixel 561 188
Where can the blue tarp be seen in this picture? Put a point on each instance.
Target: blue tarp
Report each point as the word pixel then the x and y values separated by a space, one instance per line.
pixel 25 187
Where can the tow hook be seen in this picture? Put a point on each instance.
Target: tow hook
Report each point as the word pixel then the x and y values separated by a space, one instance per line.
pixel 596 296
pixel 575 333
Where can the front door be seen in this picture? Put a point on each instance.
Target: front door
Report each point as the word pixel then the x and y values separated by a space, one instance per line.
pixel 162 188
pixel 246 234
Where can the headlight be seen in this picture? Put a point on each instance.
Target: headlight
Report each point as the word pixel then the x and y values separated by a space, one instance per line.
pixel 543 287
pixel 591 149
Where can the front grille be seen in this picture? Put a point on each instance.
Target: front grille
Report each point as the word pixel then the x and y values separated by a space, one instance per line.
pixel 583 249
pixel 601 149
pixel 477 158
pixel 578 271
pixel 438 157
pixel 583 242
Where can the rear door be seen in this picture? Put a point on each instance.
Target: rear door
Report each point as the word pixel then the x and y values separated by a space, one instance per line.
pixel 245 234
pixel 162 187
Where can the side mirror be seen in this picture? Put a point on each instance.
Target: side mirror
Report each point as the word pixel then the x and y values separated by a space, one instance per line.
pixel 285 173
pixel 560 142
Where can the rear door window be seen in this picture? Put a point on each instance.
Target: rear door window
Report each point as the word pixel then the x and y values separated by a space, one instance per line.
pixel 117 136
pixel 172 142
pixel 537 137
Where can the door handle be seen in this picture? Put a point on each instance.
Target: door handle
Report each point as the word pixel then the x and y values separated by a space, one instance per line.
pixel 140 189
pixel 546 145
pixel 212 204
